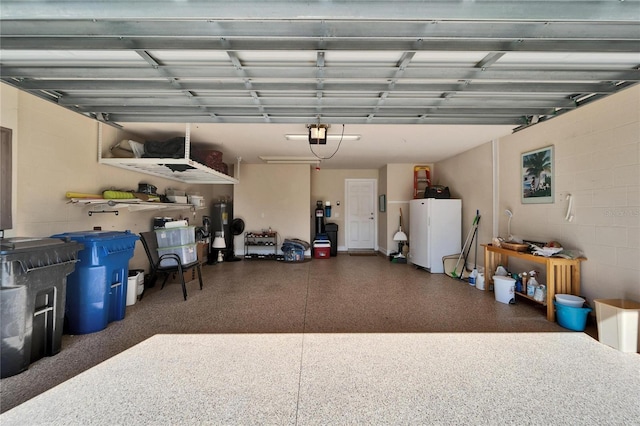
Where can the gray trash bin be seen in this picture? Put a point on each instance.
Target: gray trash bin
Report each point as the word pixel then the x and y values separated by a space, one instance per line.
pixel 33 278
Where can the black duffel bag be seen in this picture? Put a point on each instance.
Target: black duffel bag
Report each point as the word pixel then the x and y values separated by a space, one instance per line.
pixel 171 148
pixel 437 191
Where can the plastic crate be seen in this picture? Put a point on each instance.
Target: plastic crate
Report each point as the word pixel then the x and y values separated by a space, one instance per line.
pixel 188 254
pixel 174 237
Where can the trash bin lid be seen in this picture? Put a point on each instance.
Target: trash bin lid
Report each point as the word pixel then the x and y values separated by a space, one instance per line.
pixel 96 236
pixel 17 244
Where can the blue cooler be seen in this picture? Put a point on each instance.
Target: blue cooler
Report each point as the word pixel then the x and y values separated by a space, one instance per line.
pixel 97 289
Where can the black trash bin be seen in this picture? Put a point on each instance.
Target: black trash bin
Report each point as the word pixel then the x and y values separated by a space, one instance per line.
pixel 332 230
pixel 33 279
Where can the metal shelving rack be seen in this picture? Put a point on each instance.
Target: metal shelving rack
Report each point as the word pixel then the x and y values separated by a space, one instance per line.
pixel 265 241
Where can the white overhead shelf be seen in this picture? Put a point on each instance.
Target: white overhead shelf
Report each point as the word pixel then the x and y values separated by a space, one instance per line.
pixel 180 169
pixel 113 205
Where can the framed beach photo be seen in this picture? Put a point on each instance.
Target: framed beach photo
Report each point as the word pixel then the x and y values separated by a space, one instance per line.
pixel 537 176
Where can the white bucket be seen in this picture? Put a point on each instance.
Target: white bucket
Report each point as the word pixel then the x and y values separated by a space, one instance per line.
pixel 504 289
pixel 133 288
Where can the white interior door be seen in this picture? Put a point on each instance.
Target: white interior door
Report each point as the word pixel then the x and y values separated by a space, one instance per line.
pixel 361 213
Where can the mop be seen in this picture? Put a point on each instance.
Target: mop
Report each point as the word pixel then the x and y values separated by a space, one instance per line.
pixel 472 232
pixel 475 234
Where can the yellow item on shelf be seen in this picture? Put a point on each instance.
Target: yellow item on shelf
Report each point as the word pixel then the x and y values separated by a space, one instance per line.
pixel 81 195
pixel 118 195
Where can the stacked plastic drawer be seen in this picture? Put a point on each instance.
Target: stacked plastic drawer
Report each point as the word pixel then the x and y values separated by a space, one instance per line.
pixel 180 241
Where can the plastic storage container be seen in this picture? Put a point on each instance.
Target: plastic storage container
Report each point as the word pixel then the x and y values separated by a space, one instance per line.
pixel 33 282
pixel 196 200
pixel 570 300
pixel 619 323
pixel 570 317
pixel 173 237
pixel 504 289
pixel 97 289
pixel 187 253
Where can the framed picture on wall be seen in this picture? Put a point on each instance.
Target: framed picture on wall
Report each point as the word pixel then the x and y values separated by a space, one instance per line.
pixel 537 176
pixel 382 203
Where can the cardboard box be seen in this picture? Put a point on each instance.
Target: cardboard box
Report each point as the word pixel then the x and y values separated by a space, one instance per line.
pixel 203 252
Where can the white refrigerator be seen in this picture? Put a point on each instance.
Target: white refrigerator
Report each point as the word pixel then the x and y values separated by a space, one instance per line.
pixel 435 227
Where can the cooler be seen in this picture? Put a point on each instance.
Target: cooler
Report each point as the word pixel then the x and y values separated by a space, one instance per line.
pixel 321 249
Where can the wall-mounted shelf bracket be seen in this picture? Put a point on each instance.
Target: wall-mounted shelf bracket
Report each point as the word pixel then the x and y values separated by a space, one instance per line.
pixel 91 213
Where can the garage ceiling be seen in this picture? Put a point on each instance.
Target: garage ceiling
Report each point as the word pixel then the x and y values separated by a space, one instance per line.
pixel 499 64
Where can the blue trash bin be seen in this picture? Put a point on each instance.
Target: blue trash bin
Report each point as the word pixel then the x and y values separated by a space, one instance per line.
pixel 97 289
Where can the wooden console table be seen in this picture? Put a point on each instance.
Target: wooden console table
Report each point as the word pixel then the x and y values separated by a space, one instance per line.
pixel 563 275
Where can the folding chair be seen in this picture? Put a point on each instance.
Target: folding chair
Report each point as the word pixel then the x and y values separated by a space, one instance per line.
pixel 150 244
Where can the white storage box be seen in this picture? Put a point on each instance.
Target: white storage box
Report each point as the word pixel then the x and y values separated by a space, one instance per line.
pixel 196 200
pixel 182 199
pixel 175 192
pixel 618 323
pixel 187 253
pixel 173 237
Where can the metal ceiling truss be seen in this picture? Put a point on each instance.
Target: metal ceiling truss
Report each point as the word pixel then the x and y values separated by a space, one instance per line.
pixel 404 62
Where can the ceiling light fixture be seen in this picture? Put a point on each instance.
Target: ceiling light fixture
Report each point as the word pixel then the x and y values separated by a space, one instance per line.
pixel 301 137
pixel 288 160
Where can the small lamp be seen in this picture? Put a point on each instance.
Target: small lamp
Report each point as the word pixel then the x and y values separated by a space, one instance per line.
pixel 218 243
pixel 509 213
pixel 401 238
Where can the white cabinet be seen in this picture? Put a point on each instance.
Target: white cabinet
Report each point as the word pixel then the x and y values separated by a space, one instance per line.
pixel 434 231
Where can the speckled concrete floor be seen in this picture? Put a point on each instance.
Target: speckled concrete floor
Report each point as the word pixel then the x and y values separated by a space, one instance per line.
pixel 284 338
pixel 349 378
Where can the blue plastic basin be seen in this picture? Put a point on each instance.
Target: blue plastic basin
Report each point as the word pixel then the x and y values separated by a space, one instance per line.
pixel 570 317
